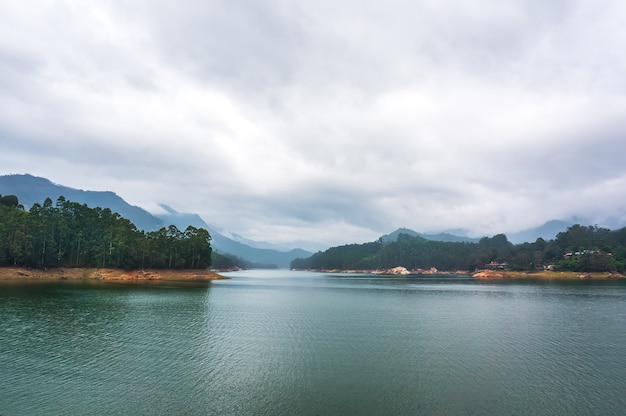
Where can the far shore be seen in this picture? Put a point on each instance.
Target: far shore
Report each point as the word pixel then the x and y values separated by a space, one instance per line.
pixel 106 274
pixel 546 274
pixel 489 274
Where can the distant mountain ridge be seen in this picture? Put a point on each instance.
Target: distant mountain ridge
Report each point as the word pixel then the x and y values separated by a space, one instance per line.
pixel 445 237
pixel 32 189
pixel 227 245
pixel 547 231
pixel 171 216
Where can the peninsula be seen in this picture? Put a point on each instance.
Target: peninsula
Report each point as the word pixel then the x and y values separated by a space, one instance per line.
pixel 107 274
pixel 546 274
pixel 486 274
pixel 71 241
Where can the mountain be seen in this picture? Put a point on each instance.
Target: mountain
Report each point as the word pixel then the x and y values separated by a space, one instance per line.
pixel 547 231
pixel 31 189
pixel 393 236
pixel 225 245
pixel 449 238
pixel 445 237
pixel 181 220
pixel 305 245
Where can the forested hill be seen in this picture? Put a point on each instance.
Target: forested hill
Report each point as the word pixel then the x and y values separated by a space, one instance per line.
pixel 579 248
pixel 69 234
pixel 387 238
pixel 241 255
pixel 32 189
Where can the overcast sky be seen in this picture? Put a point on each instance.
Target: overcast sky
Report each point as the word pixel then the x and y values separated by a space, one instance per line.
pixel 329 121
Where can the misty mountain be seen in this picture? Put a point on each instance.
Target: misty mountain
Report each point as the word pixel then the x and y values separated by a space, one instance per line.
pixel 305 245
pixel 225 245
pixel 445 237
pixel 182 220
pixel 449 238
pixel 547 231
pixel 31 189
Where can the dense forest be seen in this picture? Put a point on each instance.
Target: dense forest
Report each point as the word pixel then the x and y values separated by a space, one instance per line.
pixel 69 234
pixel 579 248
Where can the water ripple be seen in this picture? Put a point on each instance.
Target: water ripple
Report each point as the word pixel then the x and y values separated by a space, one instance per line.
pixel 289 345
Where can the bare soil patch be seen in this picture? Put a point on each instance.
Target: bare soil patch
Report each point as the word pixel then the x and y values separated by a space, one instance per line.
pixel 505 274
pixel 16 273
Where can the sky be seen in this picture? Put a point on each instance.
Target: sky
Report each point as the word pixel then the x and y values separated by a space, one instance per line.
pixel 328 121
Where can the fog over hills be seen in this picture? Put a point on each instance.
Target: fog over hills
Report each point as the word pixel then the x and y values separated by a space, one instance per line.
pixel 547 231
pixel 256 253
pixel 446 237
pixel 31 189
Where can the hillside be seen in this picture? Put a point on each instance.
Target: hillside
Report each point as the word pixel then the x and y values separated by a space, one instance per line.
pixel 577 249
pixel 31 189
pixel 260 256
pixel 445 237
pixel 547 231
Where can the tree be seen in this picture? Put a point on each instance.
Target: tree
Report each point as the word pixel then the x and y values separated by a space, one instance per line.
pixel 10 201
pixel 70 234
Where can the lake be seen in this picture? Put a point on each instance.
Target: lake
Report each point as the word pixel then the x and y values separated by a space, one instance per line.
pixel 297 343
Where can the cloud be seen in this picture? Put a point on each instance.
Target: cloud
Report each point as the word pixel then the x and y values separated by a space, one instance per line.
pixel 340 121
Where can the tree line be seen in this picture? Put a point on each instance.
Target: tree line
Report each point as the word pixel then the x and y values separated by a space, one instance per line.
pixel 69 234
pixel 579 248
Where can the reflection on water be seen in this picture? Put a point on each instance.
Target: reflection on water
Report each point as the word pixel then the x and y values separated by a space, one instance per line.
pixel 296 343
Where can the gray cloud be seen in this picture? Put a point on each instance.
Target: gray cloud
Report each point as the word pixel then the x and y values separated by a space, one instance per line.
pixel 328 121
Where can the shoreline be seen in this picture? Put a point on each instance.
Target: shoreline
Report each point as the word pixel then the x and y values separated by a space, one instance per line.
pixel 106 275
pixel 487 274
pixel 396 271
pixel 546 275
pixel 199 275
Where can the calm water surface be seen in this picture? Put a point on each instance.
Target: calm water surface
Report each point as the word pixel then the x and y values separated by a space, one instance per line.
pixel 295 343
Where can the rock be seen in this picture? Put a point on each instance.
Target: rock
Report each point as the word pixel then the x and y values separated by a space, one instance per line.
pixel 488 274
pixel 398 271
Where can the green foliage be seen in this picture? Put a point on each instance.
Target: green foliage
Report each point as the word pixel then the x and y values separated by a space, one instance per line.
pixel 9 201
pixel 578 248
pixel 579 238
pixel 353 256
pixel 590 262
pixel 73 235
pixel 222 262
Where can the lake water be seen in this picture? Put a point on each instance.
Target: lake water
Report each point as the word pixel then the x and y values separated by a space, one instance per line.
pixel 296 343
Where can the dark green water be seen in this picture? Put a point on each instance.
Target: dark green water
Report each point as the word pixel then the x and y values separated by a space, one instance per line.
pixel 286 343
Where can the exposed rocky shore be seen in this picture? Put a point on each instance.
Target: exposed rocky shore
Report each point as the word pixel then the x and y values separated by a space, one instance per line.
pixel 102 274
pixel 488 274
pixel 397 271
pixel 505 274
